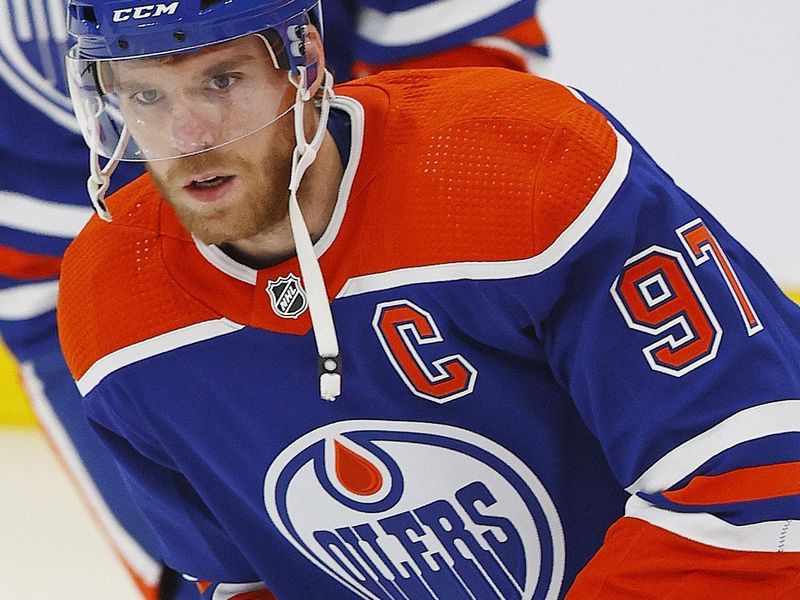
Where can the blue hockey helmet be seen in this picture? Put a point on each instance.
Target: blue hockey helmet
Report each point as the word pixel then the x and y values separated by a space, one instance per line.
pixel 127 28
pixel 122 114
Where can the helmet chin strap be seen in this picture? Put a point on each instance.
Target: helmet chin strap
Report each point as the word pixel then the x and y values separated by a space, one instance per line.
pixel 100 177
pixel 305 152
pixel 329 361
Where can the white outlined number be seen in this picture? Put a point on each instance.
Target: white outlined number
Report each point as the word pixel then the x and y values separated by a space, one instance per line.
pixel 657 294
pixel 701 245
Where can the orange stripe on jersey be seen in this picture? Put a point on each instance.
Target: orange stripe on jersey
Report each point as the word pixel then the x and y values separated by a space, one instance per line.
pixel 528 33
pixel 257 595
pixel 17 264
pixel 148 592
pixel 202 586
pixel 639 560
pixel 742 485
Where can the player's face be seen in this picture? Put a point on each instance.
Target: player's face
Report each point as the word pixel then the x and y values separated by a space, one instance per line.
pixel 220 98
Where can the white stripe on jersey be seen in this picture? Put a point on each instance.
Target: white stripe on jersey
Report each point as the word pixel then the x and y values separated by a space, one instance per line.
pixel 26 213
pixel 172 340
pixel 28 301
pixel 226 264
pixel 58 25
pixel 425 23
pixel 750 424
pixel 135 556
pixel 22 21
pixel 768 536
pixel 229 591
pixel 512 268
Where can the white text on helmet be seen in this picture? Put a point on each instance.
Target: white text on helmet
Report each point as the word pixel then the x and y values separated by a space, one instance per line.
pixel 144 12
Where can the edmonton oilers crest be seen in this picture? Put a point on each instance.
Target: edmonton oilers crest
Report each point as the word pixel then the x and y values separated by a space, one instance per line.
pixel 402 510
pixel 33 44
pixel 287 296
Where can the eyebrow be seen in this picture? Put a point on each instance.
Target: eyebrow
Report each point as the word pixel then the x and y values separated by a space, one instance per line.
pixel 229 64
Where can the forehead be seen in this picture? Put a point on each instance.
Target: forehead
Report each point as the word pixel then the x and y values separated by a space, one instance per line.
pixel 245 48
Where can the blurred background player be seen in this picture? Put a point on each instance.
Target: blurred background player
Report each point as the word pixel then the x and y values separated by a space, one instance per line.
pixel 42 206
pixel 43 201
pixel 363 38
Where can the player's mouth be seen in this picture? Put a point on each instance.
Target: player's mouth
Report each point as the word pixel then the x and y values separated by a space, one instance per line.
pixel 209 188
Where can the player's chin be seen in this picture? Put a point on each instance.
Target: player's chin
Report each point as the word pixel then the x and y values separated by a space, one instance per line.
pixel 208 222
pixel 212 231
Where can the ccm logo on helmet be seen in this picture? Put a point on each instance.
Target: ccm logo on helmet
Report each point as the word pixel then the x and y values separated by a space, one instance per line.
pixel 144 12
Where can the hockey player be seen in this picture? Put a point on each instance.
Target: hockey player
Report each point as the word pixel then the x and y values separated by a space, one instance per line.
pixel 434 335
pixel 40 215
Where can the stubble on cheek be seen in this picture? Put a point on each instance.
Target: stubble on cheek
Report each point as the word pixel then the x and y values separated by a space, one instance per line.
pixel 258 200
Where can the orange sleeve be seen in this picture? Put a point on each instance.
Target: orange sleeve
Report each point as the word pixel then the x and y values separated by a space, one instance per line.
pixel 640 560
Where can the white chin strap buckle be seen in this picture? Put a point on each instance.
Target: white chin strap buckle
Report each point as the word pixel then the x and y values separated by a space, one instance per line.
pixel 330 377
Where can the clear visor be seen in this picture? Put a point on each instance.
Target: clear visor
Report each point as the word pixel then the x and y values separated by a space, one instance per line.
pixel 168 106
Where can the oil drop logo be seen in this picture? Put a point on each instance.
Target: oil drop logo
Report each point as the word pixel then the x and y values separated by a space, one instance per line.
pixel 33 43
pixel 395 510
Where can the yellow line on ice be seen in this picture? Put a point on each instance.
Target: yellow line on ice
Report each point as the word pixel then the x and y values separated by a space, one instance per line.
pixel 14 407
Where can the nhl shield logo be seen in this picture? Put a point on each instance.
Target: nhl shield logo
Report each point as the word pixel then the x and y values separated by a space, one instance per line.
pixel 287 296
pixel 33 43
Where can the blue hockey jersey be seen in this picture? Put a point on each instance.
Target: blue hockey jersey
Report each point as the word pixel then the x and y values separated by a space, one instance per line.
pixel 43 198
pixel 541 335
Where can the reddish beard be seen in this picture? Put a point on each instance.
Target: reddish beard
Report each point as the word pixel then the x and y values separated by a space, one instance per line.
pixel 258 201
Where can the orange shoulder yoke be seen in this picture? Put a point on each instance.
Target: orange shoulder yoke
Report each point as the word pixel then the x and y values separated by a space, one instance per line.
pixel 474 165
pixel 114 290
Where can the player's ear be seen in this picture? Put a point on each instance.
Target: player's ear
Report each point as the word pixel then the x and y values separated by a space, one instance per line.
pixel 315 53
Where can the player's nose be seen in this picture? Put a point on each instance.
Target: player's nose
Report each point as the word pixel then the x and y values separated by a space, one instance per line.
pixel 192 130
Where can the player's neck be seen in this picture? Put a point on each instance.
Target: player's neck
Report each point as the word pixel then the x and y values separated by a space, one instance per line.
pixel 317 197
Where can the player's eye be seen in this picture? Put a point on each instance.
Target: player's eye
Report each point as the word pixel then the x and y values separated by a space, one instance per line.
pixel 222 82
pixel 147 97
